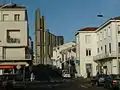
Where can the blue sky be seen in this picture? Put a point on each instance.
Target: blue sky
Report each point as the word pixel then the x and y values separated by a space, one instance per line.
pixel 65 17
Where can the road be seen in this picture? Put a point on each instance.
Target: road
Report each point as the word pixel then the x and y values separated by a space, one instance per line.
pixel 71 85
pixel 81 85
pixel 89 87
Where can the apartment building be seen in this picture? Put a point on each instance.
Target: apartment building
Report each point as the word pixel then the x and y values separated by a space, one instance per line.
pixel 44 41
pixel 14 36
pixel 63 54
pixel 85 50
pixel 108 46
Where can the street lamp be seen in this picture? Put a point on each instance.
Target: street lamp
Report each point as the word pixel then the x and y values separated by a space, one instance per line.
pixel 117 55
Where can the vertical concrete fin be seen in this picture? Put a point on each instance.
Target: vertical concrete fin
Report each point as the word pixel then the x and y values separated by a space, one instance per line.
pixel 44 38
pixel 37 35
pixel 37 19
pixel 43 23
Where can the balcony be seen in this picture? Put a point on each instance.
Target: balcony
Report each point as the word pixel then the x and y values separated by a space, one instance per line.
pixel 24 58
pixel 103 56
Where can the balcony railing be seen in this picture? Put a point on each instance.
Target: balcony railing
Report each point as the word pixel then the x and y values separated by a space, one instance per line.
pixel 13 40
pixel 105 55
pixel 26 57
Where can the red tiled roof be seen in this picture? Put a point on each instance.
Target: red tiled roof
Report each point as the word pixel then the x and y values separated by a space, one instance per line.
pixel 88 29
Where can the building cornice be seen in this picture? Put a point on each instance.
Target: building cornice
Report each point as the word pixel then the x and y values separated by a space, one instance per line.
pixel 84 32
pixel 13 9
pixel 105 24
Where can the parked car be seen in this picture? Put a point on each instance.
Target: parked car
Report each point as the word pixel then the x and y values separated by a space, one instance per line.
pixel 99 79
pixel 112 82
pixel 66 74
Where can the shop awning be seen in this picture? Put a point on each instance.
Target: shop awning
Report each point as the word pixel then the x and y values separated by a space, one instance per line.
pixel 7 66
pixel 11 65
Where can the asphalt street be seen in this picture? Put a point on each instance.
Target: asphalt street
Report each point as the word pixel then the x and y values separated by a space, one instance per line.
pixel 81 85
pixel 70 85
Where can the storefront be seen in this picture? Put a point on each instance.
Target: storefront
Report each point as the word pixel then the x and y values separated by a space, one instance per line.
pixel 11 67
pixel 7 69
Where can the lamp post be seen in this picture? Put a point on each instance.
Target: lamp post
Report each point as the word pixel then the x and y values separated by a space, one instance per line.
pixel 116 32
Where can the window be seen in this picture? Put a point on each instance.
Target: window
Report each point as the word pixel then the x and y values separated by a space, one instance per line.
pixel 4 53
pixel 101 48
pixel 13 36
pixel 105 33
pixel 110 47
pixel 105 49
pixel 87 39
pixel 119 47
pixel 17 17
pixel 118 29
pixel 98 50
pixel 5 17
pixel 109 31
pixel 62 57
pixel 88 52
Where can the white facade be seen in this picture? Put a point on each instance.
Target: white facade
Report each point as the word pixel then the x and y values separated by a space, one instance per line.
pixel 63 53
pixel 108 44
pixel 85 50
pixel 14 34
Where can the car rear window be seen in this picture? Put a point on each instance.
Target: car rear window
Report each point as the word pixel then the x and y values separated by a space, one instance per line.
pixel 116 77
pixel 102 75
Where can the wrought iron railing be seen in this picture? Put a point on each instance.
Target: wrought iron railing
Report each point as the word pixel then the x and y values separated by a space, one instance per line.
pixel 105 55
